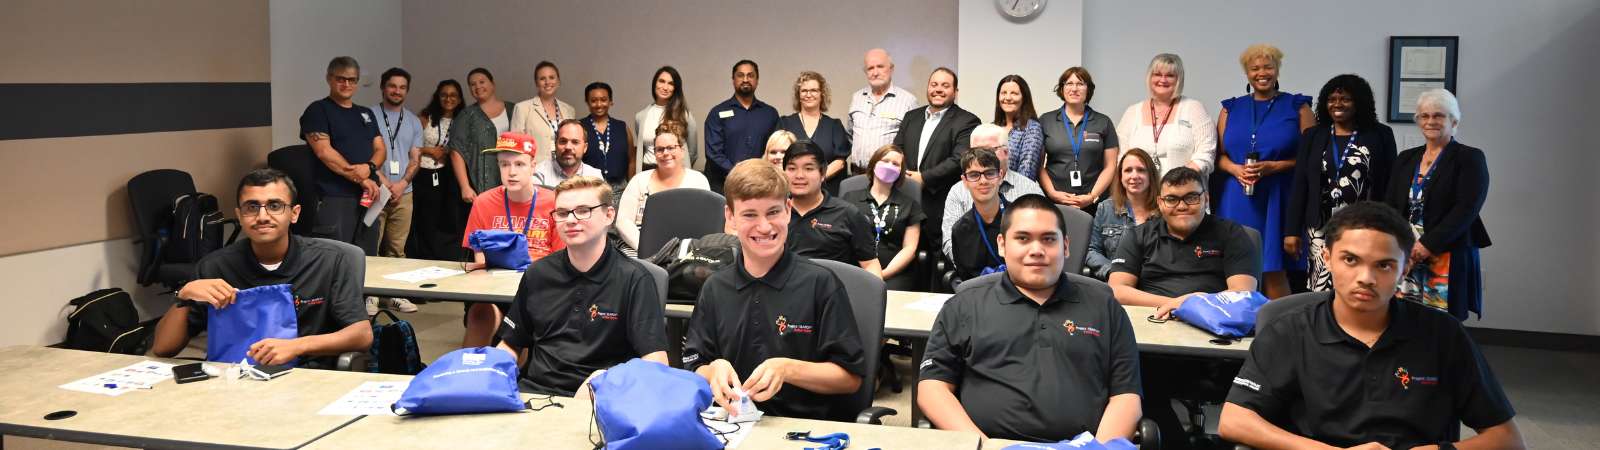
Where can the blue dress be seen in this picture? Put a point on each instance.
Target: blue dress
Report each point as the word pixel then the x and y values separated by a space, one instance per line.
pixel 1276 139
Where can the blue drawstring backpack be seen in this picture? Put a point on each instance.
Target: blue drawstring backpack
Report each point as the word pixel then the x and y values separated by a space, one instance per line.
pixel 506 249
pixel 647 405
pixel 465 381
pixel 1084 441
pixel 1224 314
pixel 265 312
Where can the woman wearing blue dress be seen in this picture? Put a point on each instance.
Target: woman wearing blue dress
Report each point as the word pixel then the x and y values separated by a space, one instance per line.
pixel 1268 124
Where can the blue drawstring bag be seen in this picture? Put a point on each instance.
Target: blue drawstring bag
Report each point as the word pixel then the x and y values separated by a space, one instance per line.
pixel 505 249
pixel 465 381
pixel 647 405
pixel 265 312
pixel 1084 441
pixel 1223 314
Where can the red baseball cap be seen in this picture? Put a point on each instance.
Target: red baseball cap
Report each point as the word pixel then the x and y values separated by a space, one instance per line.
pixel 512 141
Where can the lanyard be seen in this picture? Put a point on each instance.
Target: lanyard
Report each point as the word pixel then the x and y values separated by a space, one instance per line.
pixel 394 134
pixel 526 223
pixel 444 133
pixel 1416 188
pixel 1338 158
pixel 553 123
pixel 605 143
pixel 1172 111
pixel 1255 124
pixel 985 233
pixel 1077 139
pixel 878 219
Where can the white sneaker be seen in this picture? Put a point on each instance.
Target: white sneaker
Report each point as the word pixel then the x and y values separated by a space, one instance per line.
pixel 402 305
pixel 372 306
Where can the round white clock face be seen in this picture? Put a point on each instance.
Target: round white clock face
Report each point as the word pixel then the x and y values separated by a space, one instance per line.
pixel 1019 8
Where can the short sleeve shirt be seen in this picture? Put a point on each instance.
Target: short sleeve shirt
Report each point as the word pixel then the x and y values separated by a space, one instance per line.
pixel 1411 388
pixel 1033 372
pixel 400 131
pixel 489 213
pixel 834 230
pixel 1094 134
pixel 972 244
pixel 799 310
pixel 1202 262
pixel 574 323
pixel 889 220
pixel 324 279
pixel 350 131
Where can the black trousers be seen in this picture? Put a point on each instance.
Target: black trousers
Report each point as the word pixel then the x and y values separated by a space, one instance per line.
pixel 339 219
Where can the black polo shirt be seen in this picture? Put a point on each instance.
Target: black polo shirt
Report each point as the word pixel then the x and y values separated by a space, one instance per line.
pixel 574 323
pixel 1096 133
pixel 970 254
pixel 350 132
pixel 324 277
pixel 1424 374
pixel 1202 262
pixel 834 231
pixel 799 310
pixel 893 216
pixel 1034 372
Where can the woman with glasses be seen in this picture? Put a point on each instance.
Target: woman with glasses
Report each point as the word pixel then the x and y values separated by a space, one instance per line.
pixel 1440 188
pixel 671 172
pixel 436 231
pixel 1079 146
pixel 1176 130
pixel 1132 202
pixel 809 122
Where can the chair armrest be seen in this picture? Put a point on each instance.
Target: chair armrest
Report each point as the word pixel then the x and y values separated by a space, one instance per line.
pixel 1147 436
pixel 874 415
pixel 237 227
pixel 353 362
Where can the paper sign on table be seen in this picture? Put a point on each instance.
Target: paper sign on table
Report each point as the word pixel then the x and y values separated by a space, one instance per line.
pixel 421 275
pixel 143 375
pixel 932 303
pixel 372 398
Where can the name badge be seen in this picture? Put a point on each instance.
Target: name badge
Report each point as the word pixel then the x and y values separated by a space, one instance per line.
pixel 436 178
pixel 725 114
pixel 1184 123
pixel 394 167
pixel 1077 178
pixel 890 116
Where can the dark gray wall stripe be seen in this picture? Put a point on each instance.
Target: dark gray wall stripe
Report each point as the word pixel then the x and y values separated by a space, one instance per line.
pixel 39 110
pixel 1536 339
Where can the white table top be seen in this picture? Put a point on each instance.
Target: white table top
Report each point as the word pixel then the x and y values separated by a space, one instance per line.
pixel 476 286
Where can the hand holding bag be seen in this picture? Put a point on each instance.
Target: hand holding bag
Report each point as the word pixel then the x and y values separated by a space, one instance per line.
pixel 265 312
pixel 506 249
pixel 647 405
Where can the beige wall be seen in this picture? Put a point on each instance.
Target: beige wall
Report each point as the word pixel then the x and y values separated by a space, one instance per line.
pixel 624 42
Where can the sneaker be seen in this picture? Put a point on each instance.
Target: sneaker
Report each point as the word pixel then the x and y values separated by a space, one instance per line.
pixel 372 306
pixel 402 305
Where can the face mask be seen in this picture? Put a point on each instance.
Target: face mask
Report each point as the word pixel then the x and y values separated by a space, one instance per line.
pixel 887 172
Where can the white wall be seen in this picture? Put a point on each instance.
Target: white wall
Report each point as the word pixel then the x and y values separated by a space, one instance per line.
pixel 994 45
pixel 1526 88
pixel 306 34
pixel 39 284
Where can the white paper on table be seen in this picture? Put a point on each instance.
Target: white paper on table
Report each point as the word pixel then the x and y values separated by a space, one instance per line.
pixel 143 375
pixel 1422 62
pixel 1410 90
pixel 932 303
pixel 421 275
pixel 372 398
pixel 733 433
pixel 377 206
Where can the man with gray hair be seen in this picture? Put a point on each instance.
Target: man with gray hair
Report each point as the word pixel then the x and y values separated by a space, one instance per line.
pixel 1012 185
pixel 345 137
pixel 876 110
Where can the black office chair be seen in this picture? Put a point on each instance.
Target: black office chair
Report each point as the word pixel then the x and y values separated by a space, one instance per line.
pixel 680 213
pixel 1277 308
pixel 1255 238
pixel 151 194
pixel 868 300
pixel 299 162
pixel 674 328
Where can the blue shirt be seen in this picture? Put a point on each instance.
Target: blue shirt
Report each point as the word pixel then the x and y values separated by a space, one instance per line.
pixel 613 161
pixel 350 131
pixel 734 134
pixel 401 131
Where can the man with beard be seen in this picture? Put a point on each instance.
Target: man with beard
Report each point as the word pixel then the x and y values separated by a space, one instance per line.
pixel 934 138
pixel 402 137
pixel 737 129
pixel 571 143
pixel 324 276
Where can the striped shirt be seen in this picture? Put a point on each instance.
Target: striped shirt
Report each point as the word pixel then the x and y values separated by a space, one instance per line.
pixel 873 123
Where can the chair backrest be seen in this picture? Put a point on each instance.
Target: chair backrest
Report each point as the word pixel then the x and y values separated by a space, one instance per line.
pixel 660 275
pixel 1284 305
pixel 299 162
pixel 911 187
pixel 150 196
pixel 679 213
pixel 1255 238
pixel 1079 225
pixel 869 298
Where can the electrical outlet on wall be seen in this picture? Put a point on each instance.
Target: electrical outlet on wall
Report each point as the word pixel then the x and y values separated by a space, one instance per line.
pixel 1413 141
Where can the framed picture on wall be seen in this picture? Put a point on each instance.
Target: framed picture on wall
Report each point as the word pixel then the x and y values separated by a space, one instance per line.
pixel 1418 64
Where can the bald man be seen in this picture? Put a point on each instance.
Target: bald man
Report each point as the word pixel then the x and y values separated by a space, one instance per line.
pixel 876 111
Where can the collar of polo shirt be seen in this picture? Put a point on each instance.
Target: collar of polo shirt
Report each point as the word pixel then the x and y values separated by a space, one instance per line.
pixel 596 273
pixel 1402 319
pixel 776 277
pixel 1009 293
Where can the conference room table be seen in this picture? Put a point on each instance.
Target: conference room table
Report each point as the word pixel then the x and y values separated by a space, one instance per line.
pixel 282 414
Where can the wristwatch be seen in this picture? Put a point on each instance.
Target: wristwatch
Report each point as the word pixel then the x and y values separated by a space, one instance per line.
pixel 372 166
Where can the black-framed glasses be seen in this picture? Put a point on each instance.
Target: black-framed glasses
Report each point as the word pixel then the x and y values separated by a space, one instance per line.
pixel 581 212
pixel 252 209
pixel 1172 200
pixel 345 80
pixel 667 148
pixel 987 174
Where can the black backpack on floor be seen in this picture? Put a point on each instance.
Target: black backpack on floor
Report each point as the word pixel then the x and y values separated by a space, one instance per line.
pixel 196 228
pixel 394 347
pixel 106 321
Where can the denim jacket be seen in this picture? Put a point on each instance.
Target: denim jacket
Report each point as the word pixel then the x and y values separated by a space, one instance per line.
pixel 1109 226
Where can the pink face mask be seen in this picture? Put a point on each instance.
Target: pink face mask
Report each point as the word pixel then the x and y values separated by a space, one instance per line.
pixel 886 172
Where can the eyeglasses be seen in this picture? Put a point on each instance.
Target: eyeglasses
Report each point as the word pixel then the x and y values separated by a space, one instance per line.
pixel 1435 117
pixel 667 148
pixel 345 80
pixel 273 208
pixel 581 212
pixel 456 96
pixel 987 174
pixel 1172 200
pixel 810 91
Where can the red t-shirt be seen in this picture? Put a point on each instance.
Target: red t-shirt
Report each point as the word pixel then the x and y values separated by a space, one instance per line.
pixel 489 213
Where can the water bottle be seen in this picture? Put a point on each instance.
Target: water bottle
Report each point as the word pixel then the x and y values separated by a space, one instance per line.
pixel 1251 158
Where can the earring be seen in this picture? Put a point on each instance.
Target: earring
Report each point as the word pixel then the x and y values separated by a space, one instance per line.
pixel 1248 88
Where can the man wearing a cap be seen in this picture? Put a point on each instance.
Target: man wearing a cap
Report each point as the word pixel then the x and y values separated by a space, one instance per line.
pixel 346 139
pixel 517 205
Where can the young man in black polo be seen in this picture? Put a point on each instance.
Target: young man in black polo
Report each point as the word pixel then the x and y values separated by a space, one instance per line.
pixel 1184 252
pixel 1359 368
pixel 325 278
pixel 775 320
pixel 820 226
pixel 345 137
pixel 584 308
pixel 973 236
pixel 1035 356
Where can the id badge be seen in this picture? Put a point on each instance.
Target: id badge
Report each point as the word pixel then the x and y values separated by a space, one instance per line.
pixel 1077 178
pixel 435 178
pixel 394 167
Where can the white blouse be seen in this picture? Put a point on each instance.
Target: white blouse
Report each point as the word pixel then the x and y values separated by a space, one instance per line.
pixel 630 210
pixel 1191 136
pixel 432 137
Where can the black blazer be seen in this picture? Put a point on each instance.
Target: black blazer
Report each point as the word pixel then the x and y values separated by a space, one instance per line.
pixel 1454 196
pixel 941 168
pixel 1305 195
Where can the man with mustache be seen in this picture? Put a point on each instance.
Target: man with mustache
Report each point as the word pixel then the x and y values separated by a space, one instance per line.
pixel 402 136
pixel 324 276
pixel 572 141
pixel 737 129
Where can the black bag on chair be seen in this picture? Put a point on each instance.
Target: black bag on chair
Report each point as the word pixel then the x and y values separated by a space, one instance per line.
pixel 196 228
pixel 687 272
pixel 106 321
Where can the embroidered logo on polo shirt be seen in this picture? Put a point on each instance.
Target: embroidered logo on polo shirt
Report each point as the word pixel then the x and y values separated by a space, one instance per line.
pixel 1254 386
pixel 1406 379
pixel 784 327
pixel 824 226
pixel 1201 253
pixel 595 313
pixel 1073 329
pixel 315 301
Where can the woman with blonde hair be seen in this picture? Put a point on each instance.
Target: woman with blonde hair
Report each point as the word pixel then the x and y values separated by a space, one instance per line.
pixel 777 144
pixel 809 121
pixel 1175 130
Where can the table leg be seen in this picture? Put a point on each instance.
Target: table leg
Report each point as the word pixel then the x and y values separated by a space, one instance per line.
pixel 674 342
pixel 918 346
